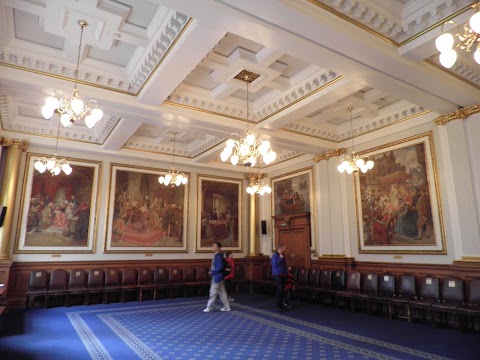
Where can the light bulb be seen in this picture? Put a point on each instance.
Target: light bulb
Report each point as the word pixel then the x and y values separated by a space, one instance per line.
pixel 244 150
pixel 161 179
pixel 250 139
pixel 67 169
pixel 268 189
pixel 448 58
pixel 370 164
pixel 178 181
pixel 234 160
pixel 52 102
pixel 65 120
pixel 255 188
pixel 349 169
pixel 230 143
pixel 252 161
pixel 475 22
pixel 184 180
pixel 89 121
pixel 40 166
pixel 272 155
pixel 97 114
pixel 444 42
pixel 340 168
pixel 360 162
pixel 345 163
pixel 364 169
pixel 77 105
pixel 56 170
pixel 476 56
pixel 249 190
pixel 50 164
pixel 47 111
pixel 261 192
pixel 168 177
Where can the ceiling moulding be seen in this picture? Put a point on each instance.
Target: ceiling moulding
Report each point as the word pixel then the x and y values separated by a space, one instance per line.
pixel 166 150
pixel 160 49
pixel 328 154
pixel 301 91
pixel 366 127
pixel 460 70
pixel 459 114
pixel 364 15
pixel 5 120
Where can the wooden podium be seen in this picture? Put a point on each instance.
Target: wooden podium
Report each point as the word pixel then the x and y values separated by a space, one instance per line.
pixel 294 231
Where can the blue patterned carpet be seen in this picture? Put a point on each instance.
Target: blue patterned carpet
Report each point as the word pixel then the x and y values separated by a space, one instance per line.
pixel 178 329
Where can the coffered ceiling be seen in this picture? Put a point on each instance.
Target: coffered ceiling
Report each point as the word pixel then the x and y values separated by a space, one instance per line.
pixel 158 66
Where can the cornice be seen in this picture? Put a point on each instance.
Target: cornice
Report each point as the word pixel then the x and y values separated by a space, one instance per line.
pixel 460 70
pixel 132 86
pixel 14 142
pixel 457 115
pixel 328 154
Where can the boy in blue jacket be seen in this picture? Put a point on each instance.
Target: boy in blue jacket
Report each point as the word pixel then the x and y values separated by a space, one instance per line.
pixel 217 286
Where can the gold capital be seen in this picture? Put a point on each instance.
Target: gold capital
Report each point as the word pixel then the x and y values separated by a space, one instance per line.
pixel 14 142
pixel 462 113
pixel 328 154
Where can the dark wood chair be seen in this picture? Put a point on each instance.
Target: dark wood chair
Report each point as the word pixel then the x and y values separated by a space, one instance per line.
pixel 160 282
pixel 203 279
pixel 429 294
pixel 469 313
pixel 176 281
pixel 407 290
pixel 190 285
pixel 265 283
pixel 386 291
pixel 345 298
pixel 145 282
pixel 113 284
pixel 37 287
pixel 130 282
pixel 452 297
pixel 57 286
pixel 95 283
pixel 325 292
pixel 301 283
pixel 77 285
pixel 313 283
pixel 369 291
pixel 239 281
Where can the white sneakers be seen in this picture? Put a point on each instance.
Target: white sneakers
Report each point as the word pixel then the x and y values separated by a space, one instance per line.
pixel 207 310
pixel 223 309
pixel 231 299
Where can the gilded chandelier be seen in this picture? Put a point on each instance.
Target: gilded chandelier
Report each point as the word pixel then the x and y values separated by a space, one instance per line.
pixel 469 38
pixel 353 163
pixel 246 150
pixel 173 177
pixel 257 187
pixel 73 109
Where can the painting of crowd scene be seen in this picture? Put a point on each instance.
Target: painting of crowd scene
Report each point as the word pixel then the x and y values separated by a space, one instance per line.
pixel 144 214
pixel 58 211
pixel 396 199
pixel 219 201
pixel 291 194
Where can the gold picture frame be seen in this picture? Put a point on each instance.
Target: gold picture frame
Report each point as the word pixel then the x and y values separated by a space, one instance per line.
pixel 58 213
pixel 145 216
pixel 398 204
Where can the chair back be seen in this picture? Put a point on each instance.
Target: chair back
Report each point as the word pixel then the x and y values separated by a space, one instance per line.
pixel 129 276
pixel 338 280
pixel 302 276
pixel 386 284
pixel 160 276
pixel 201 273
pixel 314 277
pixel 429 287
pixel 112 277
pixel 96 278
pixel 189 274
pixel 354 281
pixel 176 276
pixel 370 283
pixel 239 272
pixel 326 279
pixel 474 291
pixel 77 279
pixel 145 276
pixel 407 286
pixel 38 280
pixel 453 289
pixel 58 279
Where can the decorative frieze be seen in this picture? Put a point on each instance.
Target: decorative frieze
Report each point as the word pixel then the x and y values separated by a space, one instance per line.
pixel 328 154
pixel 457 115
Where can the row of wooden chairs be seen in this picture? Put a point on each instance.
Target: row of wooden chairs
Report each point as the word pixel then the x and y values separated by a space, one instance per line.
pixel 424 298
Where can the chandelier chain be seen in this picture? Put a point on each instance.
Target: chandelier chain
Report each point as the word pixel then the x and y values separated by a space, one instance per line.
pixel 82 26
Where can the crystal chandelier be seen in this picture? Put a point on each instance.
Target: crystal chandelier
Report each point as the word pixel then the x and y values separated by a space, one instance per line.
pixel 353 163
pixel 173 177
pixel 73 109
pixel 246 150
pixel 256 187
pixel 469 38
pixel 53 164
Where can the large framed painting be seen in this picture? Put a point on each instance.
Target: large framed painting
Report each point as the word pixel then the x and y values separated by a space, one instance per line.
pixel 58 213
pixel 145 216
pixel 292 193
pixel 398 205
pixel 219 213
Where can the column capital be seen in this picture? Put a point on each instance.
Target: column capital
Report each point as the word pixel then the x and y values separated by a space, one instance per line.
pixel 459 114
pixel 328 154
pixel 13 142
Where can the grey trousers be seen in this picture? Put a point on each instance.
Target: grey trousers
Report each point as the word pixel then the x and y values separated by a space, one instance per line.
pixel 218 289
